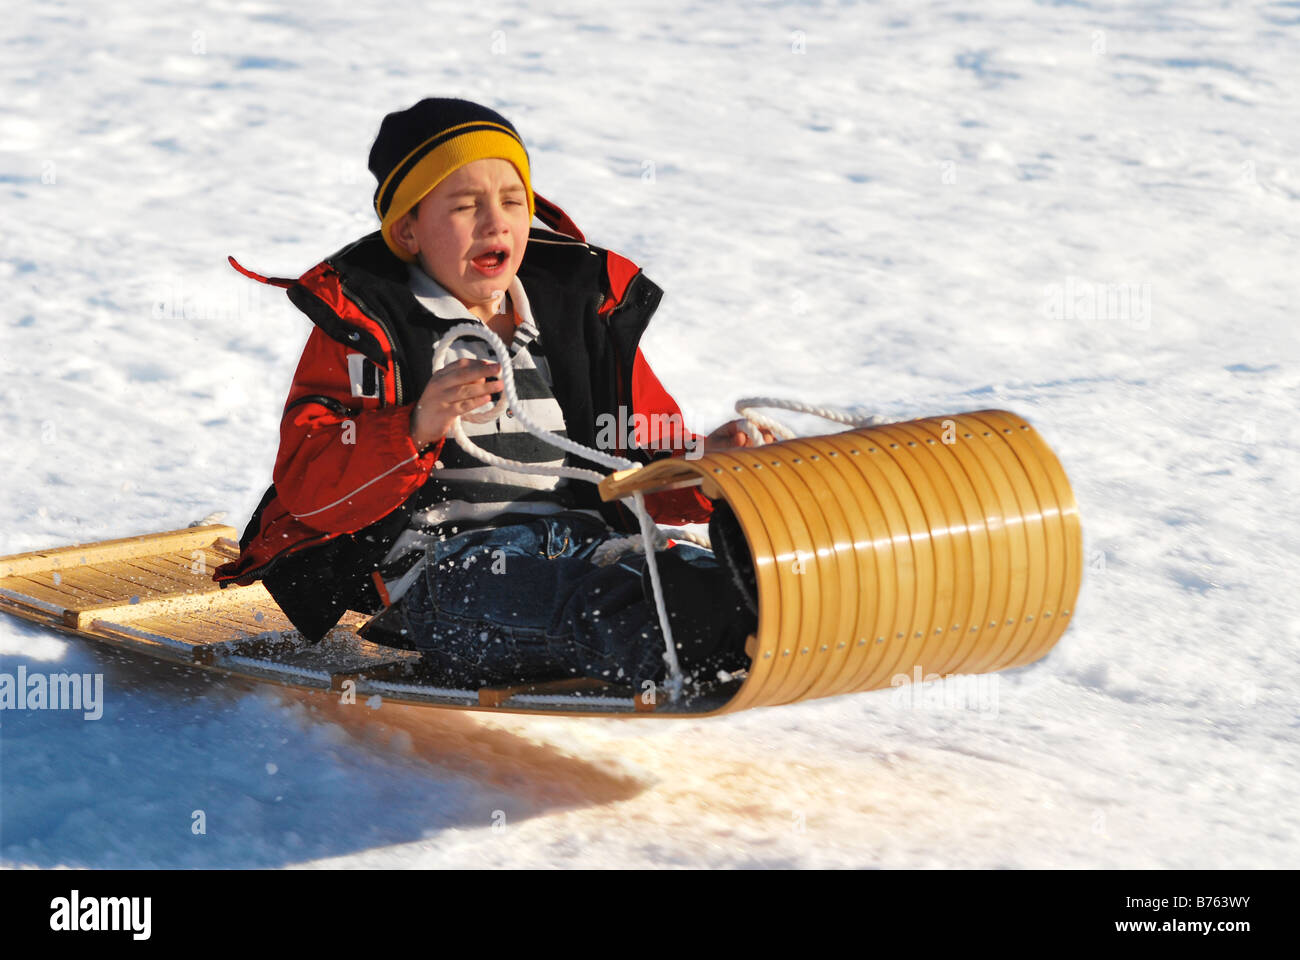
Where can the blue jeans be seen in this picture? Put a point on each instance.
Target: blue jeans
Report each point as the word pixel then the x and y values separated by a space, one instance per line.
pixel 526 602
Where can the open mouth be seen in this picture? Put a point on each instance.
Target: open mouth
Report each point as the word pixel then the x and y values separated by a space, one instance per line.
pixel 491 259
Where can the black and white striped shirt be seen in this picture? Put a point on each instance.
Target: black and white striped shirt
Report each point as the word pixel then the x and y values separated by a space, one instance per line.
pixel 473 493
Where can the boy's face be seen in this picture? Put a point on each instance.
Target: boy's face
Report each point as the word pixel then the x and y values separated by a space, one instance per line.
pixel 470 231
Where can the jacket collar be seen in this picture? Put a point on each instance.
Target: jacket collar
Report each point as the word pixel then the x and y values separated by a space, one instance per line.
pixel 435 298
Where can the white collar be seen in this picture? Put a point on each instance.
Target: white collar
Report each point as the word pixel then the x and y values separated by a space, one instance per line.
pixel 435 297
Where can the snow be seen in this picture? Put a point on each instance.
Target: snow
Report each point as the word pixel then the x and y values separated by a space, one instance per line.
pixel 1083 212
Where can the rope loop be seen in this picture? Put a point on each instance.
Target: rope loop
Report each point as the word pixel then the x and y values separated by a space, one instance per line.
pixel 509 399
pixel 746 408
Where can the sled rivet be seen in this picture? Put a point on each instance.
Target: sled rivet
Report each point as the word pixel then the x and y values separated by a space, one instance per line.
pixel 911 443
pixel 798 460
pixel 1048 613
pixel 929 439
pixel 968 435
pixel 835 453
pixel 804 650
pixel 785 653
pixel 938 630
pixel 717 469
pixel 767 655
pixel 900 636
pixel 918 634
pixel 1029 619
pixel 1024 426
pixel 987 433
pixel 1006 430
pixel 824 648
pixel 956 626
pixel 878 640
pixel 893 446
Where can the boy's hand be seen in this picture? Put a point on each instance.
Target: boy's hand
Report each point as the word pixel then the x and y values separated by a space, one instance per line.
pixel 732 434
pixel 457 388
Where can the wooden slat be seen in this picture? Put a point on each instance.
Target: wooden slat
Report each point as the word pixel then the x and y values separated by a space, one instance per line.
pixel 666 474
pixel 170 605
pixel 227 547
pixel 238 617
pixel 183 560
pixel 152 642
pixel 124 582
pixel 194 629
pixel 91 589
pixel 24 604
pixel 64 595
pixel 209 626
pixel 159 567
pixel 61 558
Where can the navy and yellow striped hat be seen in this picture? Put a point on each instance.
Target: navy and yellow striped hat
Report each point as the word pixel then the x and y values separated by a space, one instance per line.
pixel 419 147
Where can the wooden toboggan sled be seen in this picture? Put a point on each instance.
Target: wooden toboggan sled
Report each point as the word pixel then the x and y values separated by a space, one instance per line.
pixel 949 545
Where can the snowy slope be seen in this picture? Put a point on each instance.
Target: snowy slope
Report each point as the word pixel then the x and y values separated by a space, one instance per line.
pixel 1083 212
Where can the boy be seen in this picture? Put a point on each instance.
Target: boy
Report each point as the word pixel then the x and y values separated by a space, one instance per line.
pixel 493 575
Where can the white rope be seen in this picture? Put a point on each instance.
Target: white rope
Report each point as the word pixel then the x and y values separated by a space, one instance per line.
pixel 511 399
pixel 746 409
pixel 615 547
pixel 675 681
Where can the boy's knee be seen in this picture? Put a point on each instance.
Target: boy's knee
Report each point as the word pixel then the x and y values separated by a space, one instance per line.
pixel 708 616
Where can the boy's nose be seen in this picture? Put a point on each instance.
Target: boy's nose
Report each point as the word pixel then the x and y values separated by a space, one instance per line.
pixel 495 220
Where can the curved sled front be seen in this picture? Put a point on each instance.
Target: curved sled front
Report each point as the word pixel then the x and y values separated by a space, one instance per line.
pixel 932 547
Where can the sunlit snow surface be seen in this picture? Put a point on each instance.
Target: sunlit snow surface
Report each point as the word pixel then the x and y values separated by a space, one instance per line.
pixel 1083 212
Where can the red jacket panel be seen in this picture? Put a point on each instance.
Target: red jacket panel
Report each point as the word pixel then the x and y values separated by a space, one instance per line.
pixel 341 467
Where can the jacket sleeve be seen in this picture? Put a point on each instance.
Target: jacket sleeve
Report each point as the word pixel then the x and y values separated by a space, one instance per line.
pixel 344 461
pixel 659 426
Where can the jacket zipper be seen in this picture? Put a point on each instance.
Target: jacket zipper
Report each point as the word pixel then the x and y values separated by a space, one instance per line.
pixel 395 349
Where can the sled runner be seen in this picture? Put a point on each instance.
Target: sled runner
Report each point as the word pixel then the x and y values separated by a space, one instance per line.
pixel 949 544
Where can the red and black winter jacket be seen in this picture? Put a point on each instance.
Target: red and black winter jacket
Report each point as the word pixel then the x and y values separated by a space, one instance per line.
pixel 348 476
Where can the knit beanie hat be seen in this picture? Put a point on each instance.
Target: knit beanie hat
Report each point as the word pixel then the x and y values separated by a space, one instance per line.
pixel 419 147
